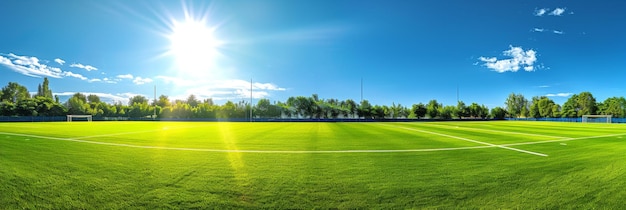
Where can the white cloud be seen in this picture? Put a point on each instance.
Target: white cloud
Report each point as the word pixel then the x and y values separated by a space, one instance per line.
pixel 106 97
pixel 222 89
pixel 70 74
pixel 557 32
pixel 141 81
pixel 541 12
pixel 559 94
pixel 30 66
pixel 538 29
pixel 107 80
pixel 125 76
pixel 557 11
pixel 59 61
pixel 544 86
pixel 518 59
pixel 81 66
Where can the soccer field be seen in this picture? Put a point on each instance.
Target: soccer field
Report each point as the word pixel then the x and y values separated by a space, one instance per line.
pixel 154 165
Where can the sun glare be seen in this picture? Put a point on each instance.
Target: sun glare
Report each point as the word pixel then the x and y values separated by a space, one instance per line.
pixel 194 47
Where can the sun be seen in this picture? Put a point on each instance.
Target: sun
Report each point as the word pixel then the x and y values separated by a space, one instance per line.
pixel 194 47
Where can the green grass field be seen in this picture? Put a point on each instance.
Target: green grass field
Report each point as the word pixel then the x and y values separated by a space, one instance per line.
pixel 154 165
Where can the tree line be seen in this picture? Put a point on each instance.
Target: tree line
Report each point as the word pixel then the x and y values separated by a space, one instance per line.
pixel 15 100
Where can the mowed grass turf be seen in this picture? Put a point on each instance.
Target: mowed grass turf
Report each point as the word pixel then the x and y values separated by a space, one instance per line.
pixel 154 165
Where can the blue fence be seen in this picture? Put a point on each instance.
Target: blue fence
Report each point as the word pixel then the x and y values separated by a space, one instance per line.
pixel 578 119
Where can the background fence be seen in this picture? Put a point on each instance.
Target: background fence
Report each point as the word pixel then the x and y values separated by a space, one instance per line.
pixel 64 118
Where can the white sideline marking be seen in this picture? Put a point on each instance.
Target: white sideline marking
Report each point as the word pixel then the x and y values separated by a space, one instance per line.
pixel 245 151
pixel 497 131
pixel 471 140
pixel 505 146
pixel 567 139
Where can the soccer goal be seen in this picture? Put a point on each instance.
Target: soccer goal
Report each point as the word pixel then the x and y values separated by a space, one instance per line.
pixel 597 118
pixel 71 118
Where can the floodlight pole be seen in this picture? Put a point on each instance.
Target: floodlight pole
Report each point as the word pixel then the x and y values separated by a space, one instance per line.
pixel 361 90
pixel 250 99
pixel 155 100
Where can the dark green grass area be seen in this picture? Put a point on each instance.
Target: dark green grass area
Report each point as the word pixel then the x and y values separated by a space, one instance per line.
pixel 39 168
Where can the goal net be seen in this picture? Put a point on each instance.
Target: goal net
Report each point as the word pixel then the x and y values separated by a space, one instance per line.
pixel 70 118
pixel 597 118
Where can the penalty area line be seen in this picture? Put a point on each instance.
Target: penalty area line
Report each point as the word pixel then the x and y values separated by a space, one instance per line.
pixel 471 140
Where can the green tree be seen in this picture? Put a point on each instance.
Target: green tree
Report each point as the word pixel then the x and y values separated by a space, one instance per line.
pixel 498 113
pixel 432 109
pixel 163 101
pixel 534 108
pixel 93 99
pixel 365 109
pixel 351 107
pixel 586 104
pixel 579 104
pixel 77 104
pixel 446 112
pixel 613 106
pixel 570 107
pixel 545 106
pixel 192 100
pixel 139 99
pixel 419 110
pixel 263 107
pixel 7 108
pixel 14 93
pixel 517 105
pixel 461 110
pixel 43 90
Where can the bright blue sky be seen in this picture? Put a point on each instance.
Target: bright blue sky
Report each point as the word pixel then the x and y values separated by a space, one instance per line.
pixel 405 51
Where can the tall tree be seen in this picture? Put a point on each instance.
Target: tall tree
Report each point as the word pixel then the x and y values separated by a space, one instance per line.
pixel 93 99
pixel 77 104
pixel 14 93
pixel 498 113
pixel 516 105
pixel 192 100
pixel 613 106
pixel 419 110
pixel 570 107
pixel 163 101
pixel 43 90
pixel 365 109
pixel 139 99
pixel 586 104
pixel 432 109
pixel 446 112
pixel 461 110
pixel 534 108
pixel 579 104
pixel 545 106
pixel 352 107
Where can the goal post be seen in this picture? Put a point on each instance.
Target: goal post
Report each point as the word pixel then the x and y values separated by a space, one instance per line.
pixel 597 118
pixel 70 118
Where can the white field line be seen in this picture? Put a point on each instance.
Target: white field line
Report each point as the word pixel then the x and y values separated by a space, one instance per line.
pixel 497 131
pixel 471 140
pixel 566 139
pixel 245 151
pixel 135 132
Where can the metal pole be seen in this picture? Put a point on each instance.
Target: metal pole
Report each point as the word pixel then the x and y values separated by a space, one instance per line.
pixel 155 100
pixel 251 99
pixel 361 89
